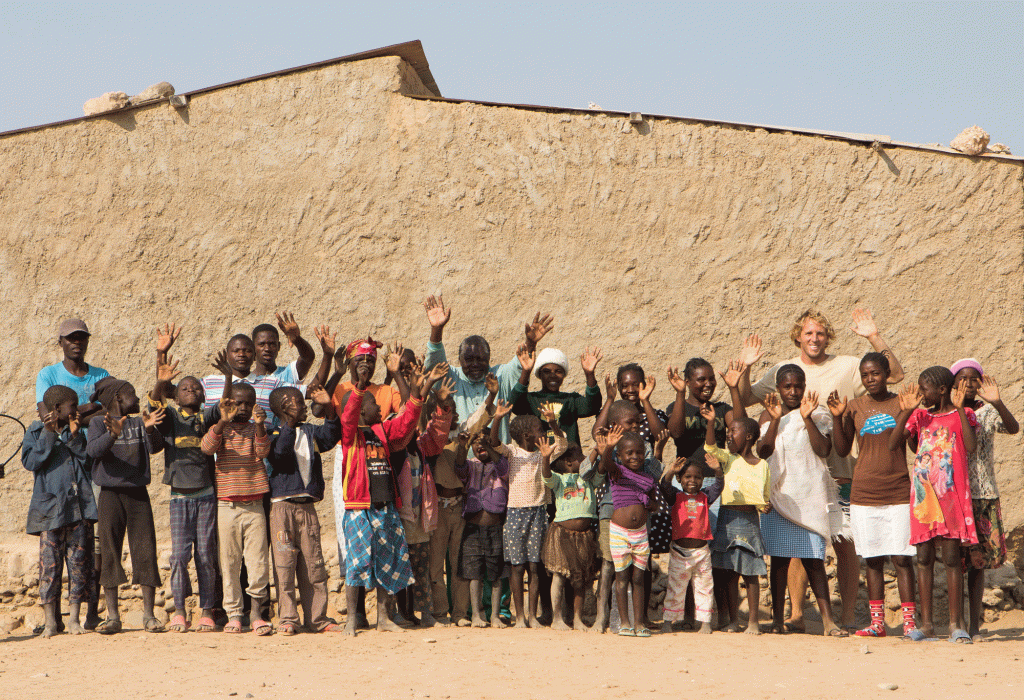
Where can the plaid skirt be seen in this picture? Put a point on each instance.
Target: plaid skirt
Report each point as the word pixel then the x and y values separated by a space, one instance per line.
pixel 784 538
pixel 376 554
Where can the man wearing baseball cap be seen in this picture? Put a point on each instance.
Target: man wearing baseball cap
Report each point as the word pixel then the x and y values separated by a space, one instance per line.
pixel 73 371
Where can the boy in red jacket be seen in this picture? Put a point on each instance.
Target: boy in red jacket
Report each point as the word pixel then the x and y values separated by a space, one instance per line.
pixel 376 554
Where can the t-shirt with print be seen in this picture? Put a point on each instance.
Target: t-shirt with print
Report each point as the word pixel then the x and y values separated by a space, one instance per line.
pixel 263 384
pixel 838 373
pixel 574 495
pixel 981 463
pixel 382 486
pixel 691 442
pixel 58 375
pixel 745 484
pixel 881 477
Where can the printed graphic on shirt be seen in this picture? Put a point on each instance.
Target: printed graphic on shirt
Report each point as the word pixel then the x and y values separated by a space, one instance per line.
pixel 877 424
pixel 376 460
pixel 693 508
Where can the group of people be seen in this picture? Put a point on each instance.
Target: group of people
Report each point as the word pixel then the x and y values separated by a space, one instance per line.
pixel 454 484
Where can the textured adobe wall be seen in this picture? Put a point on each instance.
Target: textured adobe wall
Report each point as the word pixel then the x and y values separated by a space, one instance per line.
pixel 331 194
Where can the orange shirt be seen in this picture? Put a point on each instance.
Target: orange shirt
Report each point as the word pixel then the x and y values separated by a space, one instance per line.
pixel 386 396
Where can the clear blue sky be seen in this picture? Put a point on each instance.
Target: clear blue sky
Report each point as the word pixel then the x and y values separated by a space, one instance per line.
pixel 918 72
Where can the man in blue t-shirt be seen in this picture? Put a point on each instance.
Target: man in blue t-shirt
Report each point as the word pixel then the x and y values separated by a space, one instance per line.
pixel 72 371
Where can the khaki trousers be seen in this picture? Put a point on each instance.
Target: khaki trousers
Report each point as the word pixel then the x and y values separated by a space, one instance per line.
pixel 444 543
pixel 242 531
pixel 295 538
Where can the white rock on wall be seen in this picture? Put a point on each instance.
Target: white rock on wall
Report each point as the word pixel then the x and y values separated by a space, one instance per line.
pixel 153 93
pixel 971 141
pixel 106 102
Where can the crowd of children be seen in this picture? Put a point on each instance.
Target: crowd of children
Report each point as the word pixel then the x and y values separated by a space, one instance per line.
pixel 454 484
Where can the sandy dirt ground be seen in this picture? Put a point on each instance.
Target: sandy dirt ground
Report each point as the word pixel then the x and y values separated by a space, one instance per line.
pixel 463 663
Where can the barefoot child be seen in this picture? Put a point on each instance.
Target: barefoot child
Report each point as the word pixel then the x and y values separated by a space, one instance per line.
pixel 481 554
pixel 690 557
pixel 526 519
pixel 376 556
pixel 880 492
pixel 296 485
pixel 570 548
pixel 622 459
pixel 63 510
pixel 738 546
pixel 193 502
pixel 993 417
pixel 805 513
pixel 120 445
pixel 941 512
pixel 241 480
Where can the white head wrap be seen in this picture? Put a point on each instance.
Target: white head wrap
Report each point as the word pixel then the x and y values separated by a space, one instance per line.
pixel 550 356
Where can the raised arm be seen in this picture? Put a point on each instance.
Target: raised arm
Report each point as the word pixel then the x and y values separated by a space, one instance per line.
pixel 750 354
pixel 821 445
pixel 910 398
pixel 677 421
pixel 438 317
pixel 540 327
pixel 957 396
pixel 654 423
pixel 773 412
pixel 393 363
pixel 527 359
pixel 501 409
pixel 286 322
pixel 328 345
pixel 989 391
pixel 733 377
pixel 842 424
pixel 707 412
pixel 602 417
pixel 166 373
pixel 864 326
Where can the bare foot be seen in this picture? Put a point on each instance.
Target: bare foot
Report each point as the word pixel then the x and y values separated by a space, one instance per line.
pixel 91 621
pixel 579 625
pixel 732 628
pixel 479 622
pixel 386 625
pixel 666 627
pixel 705 628
pixel 520 623
pixel 777 628
pixel 427 620
pixel 977 638
pixel 498 623
pixel 75 628
pixel 600 624
pixel 795 624
pixel 927 630
pixel 49 631
pixel 350 628
pixel 463 622
pixel 535 623
pixel 753 628
pixel 558 624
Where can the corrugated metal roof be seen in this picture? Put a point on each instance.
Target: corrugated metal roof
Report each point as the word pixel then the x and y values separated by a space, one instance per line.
pixel 410 51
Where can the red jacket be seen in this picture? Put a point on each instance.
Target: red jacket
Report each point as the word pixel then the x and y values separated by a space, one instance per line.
pixel 394 433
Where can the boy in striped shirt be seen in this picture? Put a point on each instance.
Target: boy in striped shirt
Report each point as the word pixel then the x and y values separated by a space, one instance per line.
pixel 241 480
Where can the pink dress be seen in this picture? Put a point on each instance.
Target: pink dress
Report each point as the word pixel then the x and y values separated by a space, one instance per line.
pixel 940 493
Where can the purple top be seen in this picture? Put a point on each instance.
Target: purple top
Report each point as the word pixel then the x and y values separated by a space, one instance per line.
pixel 486 486
pixel 631 488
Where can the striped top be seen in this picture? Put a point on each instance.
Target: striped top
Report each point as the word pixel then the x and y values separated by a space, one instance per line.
pixel 239 473
pixel 263 384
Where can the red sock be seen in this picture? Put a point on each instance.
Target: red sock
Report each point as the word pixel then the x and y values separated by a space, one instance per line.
pixel 877 626
pixel 909 609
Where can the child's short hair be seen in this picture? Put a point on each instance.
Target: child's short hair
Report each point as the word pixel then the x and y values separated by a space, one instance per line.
pixel 264 328
pixel 752 426
pixel 244 388
pixel 573 451
pixel 693 462
pixel 811 315
pixel 520 425
pixel 630 367
pixel 278 395
pixel 694 364
pixel 58 394
pixel 619 409
pixel 937 376
pixel 629 437
pixel 790 369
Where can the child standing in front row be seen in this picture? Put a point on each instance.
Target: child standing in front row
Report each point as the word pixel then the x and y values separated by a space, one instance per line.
pixel 570 548
pixel 941 512
pixel 632 490
pixel 241 481
pixel 690 556
pixel 62 511
pixel 527 518
pixel 481 552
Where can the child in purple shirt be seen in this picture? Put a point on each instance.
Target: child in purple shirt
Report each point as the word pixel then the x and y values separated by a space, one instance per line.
pixel 481 552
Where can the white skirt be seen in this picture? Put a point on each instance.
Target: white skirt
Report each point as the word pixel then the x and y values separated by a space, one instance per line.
pixel 882 531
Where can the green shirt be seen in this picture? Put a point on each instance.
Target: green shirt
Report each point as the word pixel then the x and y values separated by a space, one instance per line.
pixel 569 407
pixel 574 495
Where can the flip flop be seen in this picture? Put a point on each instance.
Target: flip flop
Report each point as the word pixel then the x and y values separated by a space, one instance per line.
pixel 178 623
pixel 915 635
pixel 206 624
pixel 960 637
pixel 108 626
pixel 333 627
pixel 838 632
pixel 262 628
pixel 285 628
pixel 628 632
pixel 233 627
pixel 153 625
pixel 643 632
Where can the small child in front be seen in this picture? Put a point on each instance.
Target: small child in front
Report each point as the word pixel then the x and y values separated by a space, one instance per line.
pixel 62 511
pixel 690 556
pixel 632 490
pixel 241 479
pixel 481 553
pixel 570 548
pixel 376 554
pixel 120 445
pixel 527 518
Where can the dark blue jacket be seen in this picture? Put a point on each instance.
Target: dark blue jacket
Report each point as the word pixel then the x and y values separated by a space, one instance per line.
pixel 62 493
pixel 286 478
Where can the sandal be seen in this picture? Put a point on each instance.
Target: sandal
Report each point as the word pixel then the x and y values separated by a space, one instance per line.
pixel 154 625
pixel 333 627
pixel 837 632
pixel 643 632
pixel 262 628
pixel 286 628
pixel 109 626
pixel 206 624
pixel 960 637
pixel 914 635
pixel 178 623
pixel 627 632
pixel 234 626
